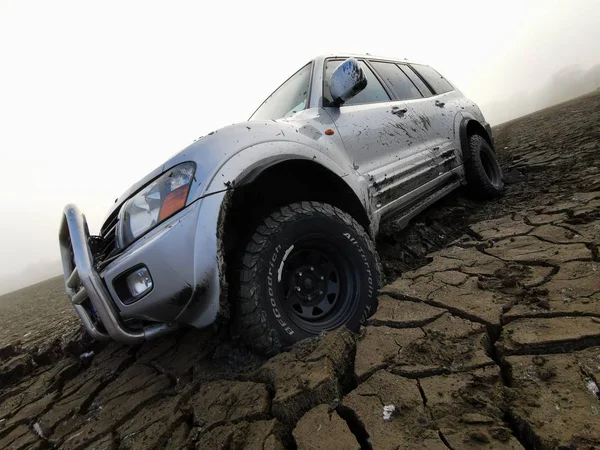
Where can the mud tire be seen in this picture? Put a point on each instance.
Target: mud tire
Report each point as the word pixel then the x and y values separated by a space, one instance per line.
pixel 484 174
pixel 268 324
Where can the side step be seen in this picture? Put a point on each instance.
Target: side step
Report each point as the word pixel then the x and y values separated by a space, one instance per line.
pixel 404 216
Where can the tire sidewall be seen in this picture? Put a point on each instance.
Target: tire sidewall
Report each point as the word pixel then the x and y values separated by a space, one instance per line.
pixel 355 251
pixel 478 174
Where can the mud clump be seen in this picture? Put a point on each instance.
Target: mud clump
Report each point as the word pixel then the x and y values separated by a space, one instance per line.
pixel 323 428
pixel 315 371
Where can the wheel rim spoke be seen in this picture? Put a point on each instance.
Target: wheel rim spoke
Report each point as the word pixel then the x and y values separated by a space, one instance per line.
pixel 333 287
pixel 303 310
pixel 324 305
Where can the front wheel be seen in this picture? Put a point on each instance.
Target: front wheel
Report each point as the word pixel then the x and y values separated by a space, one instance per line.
pixel 308 268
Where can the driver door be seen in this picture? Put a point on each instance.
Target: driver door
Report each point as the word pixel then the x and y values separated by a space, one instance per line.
pixel 377 134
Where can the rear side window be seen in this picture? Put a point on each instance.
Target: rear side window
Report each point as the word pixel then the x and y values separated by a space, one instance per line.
pixel 288 99
pixel 397 80
pixel 437 82
pixel 422 87
pixel 373 93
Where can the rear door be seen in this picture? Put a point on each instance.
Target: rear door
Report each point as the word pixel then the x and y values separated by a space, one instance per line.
pixel 372 126
pixel 437 110
pixel 423 169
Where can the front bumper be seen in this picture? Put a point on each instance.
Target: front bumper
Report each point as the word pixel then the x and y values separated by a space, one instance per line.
pixel 83 283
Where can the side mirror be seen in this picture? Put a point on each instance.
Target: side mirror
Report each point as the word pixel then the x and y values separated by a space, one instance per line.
pixel 346 81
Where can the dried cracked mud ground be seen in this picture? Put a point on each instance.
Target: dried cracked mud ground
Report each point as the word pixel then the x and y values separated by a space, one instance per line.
pixel 487 336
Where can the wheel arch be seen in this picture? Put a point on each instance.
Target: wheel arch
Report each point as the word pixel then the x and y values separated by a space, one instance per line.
pixel 469 127
pixel 263 189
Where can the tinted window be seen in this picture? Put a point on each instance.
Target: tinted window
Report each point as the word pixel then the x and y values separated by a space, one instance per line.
pixel 397 80
pixel 373 93
pixel 437 82
pixel 422 87
pixel 291 97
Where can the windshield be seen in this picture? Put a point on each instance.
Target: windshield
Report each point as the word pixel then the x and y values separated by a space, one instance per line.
pixel 288 99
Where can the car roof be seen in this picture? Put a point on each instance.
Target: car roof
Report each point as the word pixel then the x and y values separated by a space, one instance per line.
pixel 366 55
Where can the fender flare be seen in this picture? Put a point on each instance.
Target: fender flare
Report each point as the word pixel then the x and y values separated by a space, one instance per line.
pixel 464 136
pixel 245 166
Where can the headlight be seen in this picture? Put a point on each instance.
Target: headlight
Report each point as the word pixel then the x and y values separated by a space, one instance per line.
pixel 158 201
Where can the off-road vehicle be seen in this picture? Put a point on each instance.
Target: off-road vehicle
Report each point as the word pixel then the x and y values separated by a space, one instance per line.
pixel 271 222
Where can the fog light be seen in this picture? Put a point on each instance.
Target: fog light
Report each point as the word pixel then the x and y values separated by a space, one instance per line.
pixel 139 282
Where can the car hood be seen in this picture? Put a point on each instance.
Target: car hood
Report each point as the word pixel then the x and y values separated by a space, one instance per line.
pixel 206 151
pixel 214 149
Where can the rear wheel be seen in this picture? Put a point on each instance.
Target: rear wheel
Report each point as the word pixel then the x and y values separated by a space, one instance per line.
pixel 483 171
pixel 308 268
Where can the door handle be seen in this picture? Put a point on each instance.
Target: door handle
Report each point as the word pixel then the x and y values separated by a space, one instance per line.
pixel 399 111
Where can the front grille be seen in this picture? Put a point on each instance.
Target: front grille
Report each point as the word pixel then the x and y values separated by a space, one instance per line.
pixel 109 242
pixel 106 243
pixel 110 223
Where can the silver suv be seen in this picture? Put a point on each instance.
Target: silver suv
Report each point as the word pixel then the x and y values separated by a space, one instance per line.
pixel 271 222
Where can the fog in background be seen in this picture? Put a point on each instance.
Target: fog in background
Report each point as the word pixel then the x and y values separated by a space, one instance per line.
pixel 569 82
pixel 93 95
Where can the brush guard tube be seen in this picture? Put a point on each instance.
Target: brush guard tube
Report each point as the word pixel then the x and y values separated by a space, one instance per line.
pixel 83 282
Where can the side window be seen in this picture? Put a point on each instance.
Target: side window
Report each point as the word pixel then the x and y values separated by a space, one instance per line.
pixel 397 80
pixel 422 87
pixel 288 99
pixel 373 93
pixel 437 82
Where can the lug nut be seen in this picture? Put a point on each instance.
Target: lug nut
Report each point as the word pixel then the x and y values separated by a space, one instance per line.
pixel 309 298
pixel 298 288
pixel 322 278
pixel 312 268
pixel 299 274
pixel 320 292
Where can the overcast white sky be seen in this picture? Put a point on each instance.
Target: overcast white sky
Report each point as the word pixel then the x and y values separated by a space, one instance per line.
pixel 93 95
